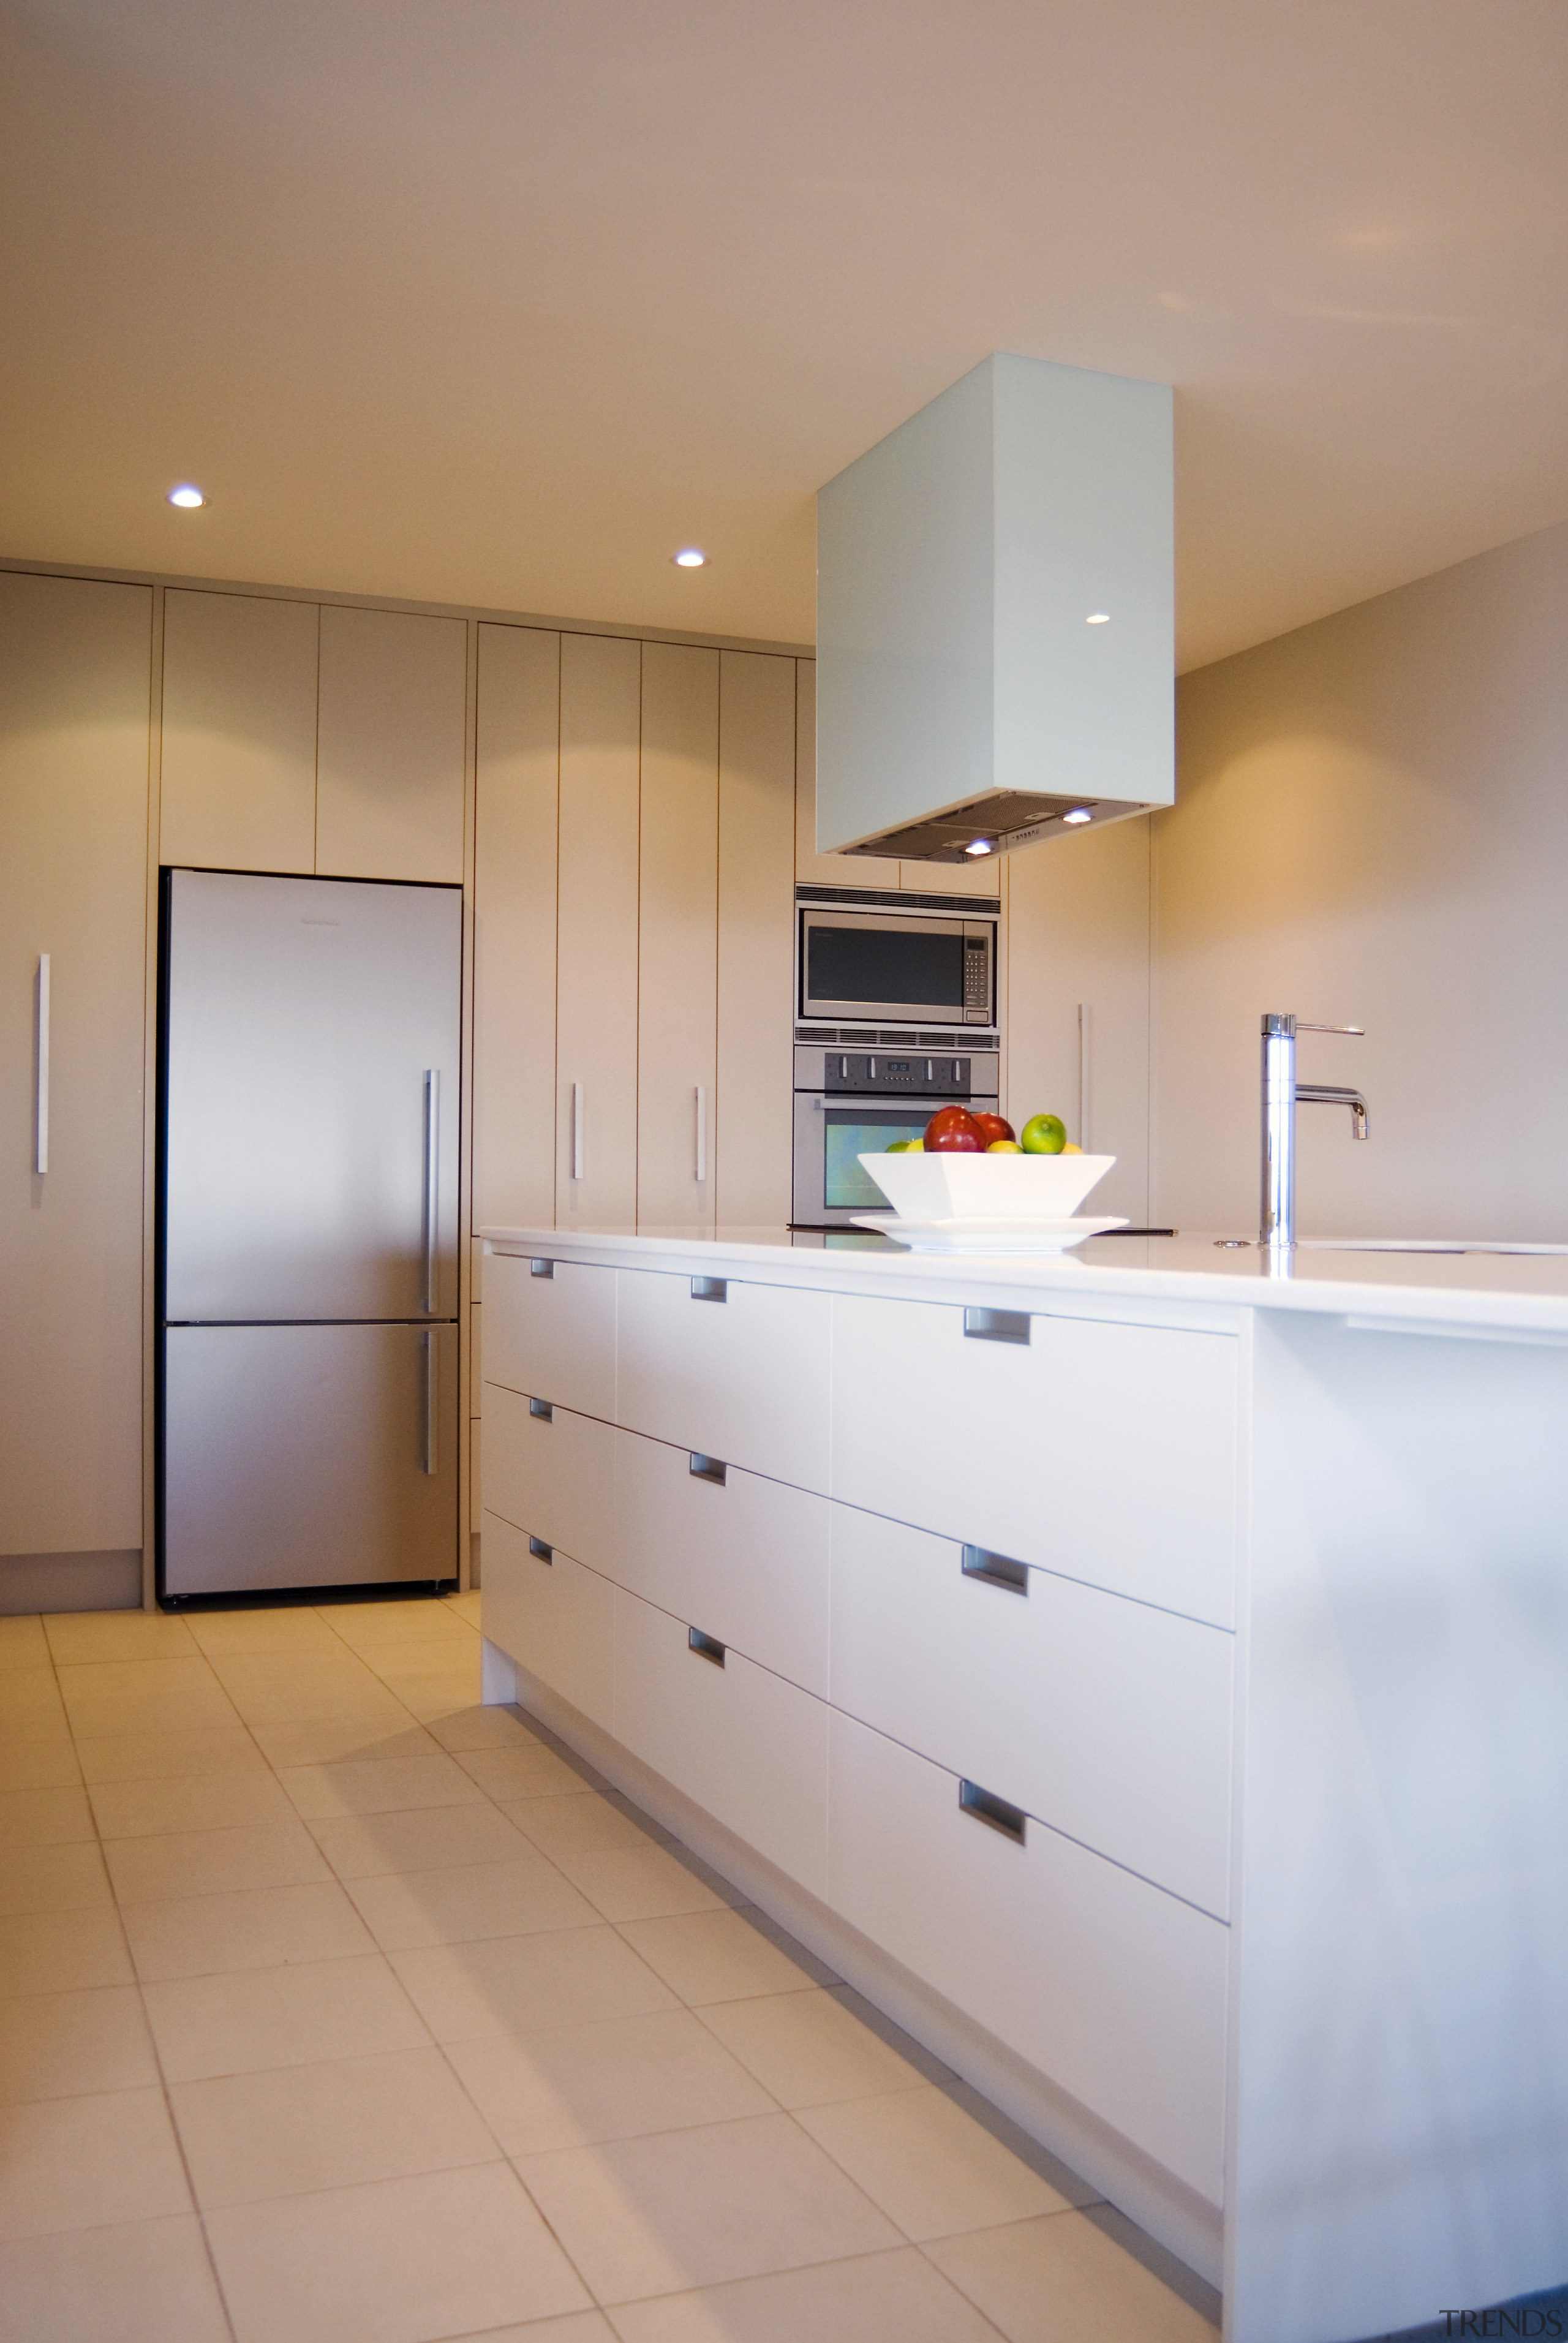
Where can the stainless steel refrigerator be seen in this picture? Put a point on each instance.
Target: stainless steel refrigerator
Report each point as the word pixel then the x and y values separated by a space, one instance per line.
pixel 308 1404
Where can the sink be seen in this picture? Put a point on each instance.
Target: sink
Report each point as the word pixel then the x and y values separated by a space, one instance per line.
pixel 1422 1244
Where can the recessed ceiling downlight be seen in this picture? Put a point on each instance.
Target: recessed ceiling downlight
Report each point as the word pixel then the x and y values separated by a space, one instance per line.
pixel 187 496
pixel 690 557
pixel 1097 619
pixel 1079 813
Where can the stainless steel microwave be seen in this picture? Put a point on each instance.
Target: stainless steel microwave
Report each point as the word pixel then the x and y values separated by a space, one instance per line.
pixel 858 963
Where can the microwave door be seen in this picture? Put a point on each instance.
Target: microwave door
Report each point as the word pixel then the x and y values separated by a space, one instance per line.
pixel 904 971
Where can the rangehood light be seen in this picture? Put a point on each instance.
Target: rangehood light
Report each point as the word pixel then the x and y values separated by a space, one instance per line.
pixel 980 846
pixel 690 557
pixel 188 498
pixel 1097 619
pixel 1079 813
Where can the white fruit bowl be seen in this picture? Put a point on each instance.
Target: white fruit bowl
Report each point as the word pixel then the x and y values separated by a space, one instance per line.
pixel 986 1187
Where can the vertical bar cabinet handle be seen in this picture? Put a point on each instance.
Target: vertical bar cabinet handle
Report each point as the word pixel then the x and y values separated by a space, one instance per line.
pixel 701 1097
pixel 577 1130
pixel 40 1153
pixel 432 1180
pixel 428 1459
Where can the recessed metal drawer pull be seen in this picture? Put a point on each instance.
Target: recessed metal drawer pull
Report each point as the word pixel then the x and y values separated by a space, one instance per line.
pixel 708 1468
pixel 543 1410
pixel 994 1811
pixel 542 1552
pixel 997 1325
pixel 541 1269
pixel 706 1647
pixel 995 1570
pixel 709 1289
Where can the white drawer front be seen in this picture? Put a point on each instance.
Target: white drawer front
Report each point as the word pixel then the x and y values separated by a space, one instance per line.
pixel 553 1475
pixel 745 1378
pixel 1104 1717
pixel 746 1745
pixel 553 1616
pixel 1114 1990
pixel 745 1558
pixel 1105 1452
pixel 551 1335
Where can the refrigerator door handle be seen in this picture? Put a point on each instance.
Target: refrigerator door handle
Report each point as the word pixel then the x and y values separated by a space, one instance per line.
pixel 432 1182
pixel 427 1459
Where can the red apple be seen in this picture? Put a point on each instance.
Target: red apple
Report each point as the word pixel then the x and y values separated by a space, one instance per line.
pixel 953 1130
pixel 993 1127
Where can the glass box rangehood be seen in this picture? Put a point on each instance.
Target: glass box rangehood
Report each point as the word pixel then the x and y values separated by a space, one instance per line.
pixel 995 618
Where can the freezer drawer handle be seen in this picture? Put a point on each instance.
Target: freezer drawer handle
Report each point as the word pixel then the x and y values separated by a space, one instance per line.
pixel 432 1178
pixel 997 1325
pixel 994 1811
pixel 428 1460
pixel 708 1468
pixel 541 1269
pixel 41 1073
pixel 706 1647
pixel 709 1289
pixel 544 1553
pixel 995 1570
pixel 543 1410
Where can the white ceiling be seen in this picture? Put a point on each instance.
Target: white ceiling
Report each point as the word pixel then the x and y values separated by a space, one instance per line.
pixel 499 301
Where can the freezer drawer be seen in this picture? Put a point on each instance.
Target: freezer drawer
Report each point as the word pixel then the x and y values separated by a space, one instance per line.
pixel 296 1456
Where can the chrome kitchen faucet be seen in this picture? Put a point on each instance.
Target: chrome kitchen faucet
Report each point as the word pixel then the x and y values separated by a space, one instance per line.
pixel 1281 1092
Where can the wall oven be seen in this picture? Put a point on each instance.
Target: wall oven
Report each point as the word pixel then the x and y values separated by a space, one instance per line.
pixel 854 1102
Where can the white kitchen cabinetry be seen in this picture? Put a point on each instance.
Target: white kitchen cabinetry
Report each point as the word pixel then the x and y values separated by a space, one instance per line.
pixel 551 1334
pixel 678 923
pixel 923 1387
pixel 1108 1719
pixel 736 1371
pixel 752 1129
pixel 390 745
pixel 551 1473
pixel 1100 1981
pixel 238 786
pixel 546 1607
pixel 76 666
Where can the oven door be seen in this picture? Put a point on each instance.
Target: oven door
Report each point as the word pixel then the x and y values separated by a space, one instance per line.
pixel 830 1135
pixel 896 971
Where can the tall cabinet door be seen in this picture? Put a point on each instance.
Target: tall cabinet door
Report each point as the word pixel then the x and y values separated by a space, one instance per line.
pixel 238 768
pixel 596 1003
pixel 678 974
pixel 75 704
pixel 756 936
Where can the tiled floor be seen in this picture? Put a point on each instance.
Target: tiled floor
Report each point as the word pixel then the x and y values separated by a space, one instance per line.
pixel 335 2008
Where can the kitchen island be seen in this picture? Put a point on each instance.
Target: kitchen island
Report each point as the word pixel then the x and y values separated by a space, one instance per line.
pixel 1145 1676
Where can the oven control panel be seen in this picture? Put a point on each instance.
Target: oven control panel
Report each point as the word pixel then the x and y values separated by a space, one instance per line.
pixel 898 1073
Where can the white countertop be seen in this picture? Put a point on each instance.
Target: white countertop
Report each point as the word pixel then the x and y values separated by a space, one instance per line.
pixel 1518 1296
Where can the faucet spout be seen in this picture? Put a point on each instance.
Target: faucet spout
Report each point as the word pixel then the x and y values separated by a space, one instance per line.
pixel 1335 1094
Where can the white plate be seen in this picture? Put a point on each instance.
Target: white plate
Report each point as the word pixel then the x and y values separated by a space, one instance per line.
pixel 997 1237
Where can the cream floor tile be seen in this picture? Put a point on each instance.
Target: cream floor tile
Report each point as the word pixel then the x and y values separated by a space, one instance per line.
pixel 199 1755
pixel 416 1838
pixel 461 1904
pixel 518 1985
pixel 577 1824
pixel 303 2014
pixel 808 2047
pixel 281 1627
pixel 22 1641
pixel 421 1624
pixel 214 1862
pixel 686 2208
pixel 56 1952
pixel 296 2128
pixel 431 1694
pixel 301 1687
pixel 30 1695
pixel 58 2046
pixel 148 1809
pixel 330 1741
pixel 379 1785
pixel 391 2261
pixel 258 1928
pixel 727 1955
pixel 44 1759
pixel 643 1883
pixel 74 2164
pixel 1061 2280
pixel 44 1817
pixel 467 1605
pixel 521 1772
pixel 76 1635
pixel 135 2282
pixel 616 2078
pixel 68 1878
pixel 576 2327
pixel 482 1728
pixel 929 2165
pixel 889 2297
pixel 99 1713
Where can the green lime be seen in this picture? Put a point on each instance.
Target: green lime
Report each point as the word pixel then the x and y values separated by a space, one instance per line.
pixel 1043 1134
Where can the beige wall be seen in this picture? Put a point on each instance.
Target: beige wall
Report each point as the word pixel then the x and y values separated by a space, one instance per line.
pixel 1372 828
